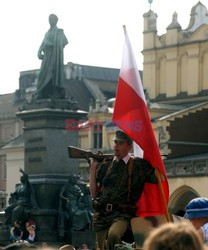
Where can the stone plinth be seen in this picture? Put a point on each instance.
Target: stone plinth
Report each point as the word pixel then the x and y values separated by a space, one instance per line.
pixel 46 140
pixel 47 161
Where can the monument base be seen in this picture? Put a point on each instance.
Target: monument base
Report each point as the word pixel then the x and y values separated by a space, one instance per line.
pixel 47 163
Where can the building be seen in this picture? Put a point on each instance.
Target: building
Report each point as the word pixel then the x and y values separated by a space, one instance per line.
pixel 175 80
pixel 175 73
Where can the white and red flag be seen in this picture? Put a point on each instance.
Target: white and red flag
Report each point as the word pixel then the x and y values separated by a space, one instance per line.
pixel 132 116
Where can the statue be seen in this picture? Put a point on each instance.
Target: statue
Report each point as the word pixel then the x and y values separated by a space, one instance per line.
pixel 73 212
pixel 22 201
pixel 86 199
pixel 51 75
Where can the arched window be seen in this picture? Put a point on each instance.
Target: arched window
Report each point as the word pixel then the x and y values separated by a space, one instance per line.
pixel 180 198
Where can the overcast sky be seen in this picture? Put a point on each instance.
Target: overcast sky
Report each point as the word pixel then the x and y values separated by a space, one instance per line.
pixel 93 28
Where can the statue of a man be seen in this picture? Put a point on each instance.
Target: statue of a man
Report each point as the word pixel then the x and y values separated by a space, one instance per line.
pixel 51 75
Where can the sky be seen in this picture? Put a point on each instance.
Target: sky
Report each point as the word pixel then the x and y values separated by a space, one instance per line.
pixel 93 28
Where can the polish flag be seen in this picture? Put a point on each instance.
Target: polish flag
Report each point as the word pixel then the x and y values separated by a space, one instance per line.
pixel 131 115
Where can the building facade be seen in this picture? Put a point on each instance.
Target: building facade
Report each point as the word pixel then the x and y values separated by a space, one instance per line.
pixel 175 80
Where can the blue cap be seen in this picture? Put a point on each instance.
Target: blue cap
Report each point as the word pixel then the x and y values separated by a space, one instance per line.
pixel 197 208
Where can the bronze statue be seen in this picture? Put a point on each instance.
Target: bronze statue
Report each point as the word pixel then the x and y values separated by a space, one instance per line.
pixel 73 211
pixel 22 201
pixel 51 75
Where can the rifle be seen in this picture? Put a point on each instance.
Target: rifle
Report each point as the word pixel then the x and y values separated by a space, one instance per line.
pixel 75 152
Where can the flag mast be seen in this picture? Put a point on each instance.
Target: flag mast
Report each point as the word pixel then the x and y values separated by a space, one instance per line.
pixel 162 194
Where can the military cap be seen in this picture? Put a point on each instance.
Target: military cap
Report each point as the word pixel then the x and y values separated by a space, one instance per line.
pixel 121 136
pixel 197 208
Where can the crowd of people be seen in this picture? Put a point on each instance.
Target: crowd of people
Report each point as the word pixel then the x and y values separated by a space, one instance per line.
pixel 25 245
pixel 19 232
pixel 169 236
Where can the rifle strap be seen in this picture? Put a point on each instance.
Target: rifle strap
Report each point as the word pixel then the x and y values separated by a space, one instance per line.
pixel 109 169
pixel 130 169
pixel 107 173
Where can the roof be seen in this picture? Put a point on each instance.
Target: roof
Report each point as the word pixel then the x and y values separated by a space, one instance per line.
pixel 200 105
pixel 198 156
pixel 99 73
pixel 199 16
pixel 155 105
pixel 174 24
pixel 8 107
pixel 17 142
pixel 78 91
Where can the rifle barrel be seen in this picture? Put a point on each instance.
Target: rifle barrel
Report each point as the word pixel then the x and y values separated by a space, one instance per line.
pixel 75 152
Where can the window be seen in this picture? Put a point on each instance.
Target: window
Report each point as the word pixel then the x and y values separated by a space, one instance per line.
pixel 7 133
pixel 4 170
pixel 97 135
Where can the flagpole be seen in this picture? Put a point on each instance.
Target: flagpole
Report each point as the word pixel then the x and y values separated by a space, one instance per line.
pixel 162 194
pixel 124 29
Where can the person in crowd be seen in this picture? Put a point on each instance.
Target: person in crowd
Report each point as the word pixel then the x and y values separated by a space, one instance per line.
pixel 44 245
pixel 67 247
pixel 197 213
pixel 84 247
pixel 16 232
pixel 20 245
pixel 31 227
pixel 95 247
pixel 178 236
pixel 115 189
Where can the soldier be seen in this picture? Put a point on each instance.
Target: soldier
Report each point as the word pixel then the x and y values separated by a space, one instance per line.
pixel 115 189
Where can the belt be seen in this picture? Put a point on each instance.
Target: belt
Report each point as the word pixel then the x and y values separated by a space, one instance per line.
pixel 124 208
pixel 109 207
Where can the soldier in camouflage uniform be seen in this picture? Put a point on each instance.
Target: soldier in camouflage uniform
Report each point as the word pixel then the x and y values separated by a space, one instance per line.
pixel 115 189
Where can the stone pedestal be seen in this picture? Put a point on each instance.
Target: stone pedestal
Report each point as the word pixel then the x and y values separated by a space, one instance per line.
pixel 46 156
